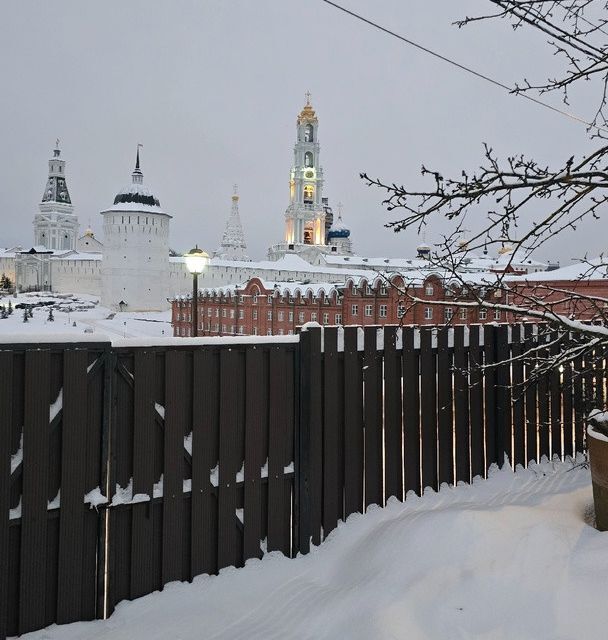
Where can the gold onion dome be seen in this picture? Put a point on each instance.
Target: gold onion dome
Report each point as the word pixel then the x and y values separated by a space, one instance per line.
pixel 308 113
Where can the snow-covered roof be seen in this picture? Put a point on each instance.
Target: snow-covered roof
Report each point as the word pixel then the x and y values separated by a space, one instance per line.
pixel 595 269
pixel 79 255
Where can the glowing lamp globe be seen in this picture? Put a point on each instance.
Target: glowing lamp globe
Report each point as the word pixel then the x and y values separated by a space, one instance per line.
pixel 196 260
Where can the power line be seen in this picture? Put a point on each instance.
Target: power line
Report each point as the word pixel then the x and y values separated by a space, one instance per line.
pixel 462 67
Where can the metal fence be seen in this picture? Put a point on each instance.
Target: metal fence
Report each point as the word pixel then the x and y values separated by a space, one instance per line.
pixel 125 468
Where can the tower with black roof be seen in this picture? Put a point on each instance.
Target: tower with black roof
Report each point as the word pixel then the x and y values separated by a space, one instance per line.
pixel 56 224
pixel 134 272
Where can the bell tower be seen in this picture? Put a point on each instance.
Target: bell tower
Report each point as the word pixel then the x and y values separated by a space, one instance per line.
pixel 305 215
pixel 56 226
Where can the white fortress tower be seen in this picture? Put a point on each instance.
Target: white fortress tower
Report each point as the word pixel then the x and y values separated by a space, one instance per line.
pixel 134 272
pixel 305 231
pixel 56 226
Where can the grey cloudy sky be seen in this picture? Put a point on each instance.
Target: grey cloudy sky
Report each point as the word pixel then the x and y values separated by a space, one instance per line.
pixel 212 88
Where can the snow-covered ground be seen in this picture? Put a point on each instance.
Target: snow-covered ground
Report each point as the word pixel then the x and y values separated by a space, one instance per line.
pixel 514 557
pixel 80 315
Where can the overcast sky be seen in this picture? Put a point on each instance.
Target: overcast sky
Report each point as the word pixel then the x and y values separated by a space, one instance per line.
pixel 212 89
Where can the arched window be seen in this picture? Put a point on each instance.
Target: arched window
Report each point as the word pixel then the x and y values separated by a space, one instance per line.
pixel 308 159
pixel 309 194
pixel 308 133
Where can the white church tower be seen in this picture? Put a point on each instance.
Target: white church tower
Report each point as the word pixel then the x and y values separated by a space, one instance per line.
pixel 134 272
pixel 305 231
pixel 56 226
pixel 233 245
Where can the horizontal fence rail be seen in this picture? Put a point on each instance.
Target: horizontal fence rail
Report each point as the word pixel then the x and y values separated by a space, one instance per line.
pixel 123 468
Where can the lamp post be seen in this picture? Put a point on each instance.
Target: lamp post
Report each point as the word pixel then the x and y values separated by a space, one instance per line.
pixel 196 260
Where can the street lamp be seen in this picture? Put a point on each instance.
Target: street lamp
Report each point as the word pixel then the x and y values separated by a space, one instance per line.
pixel 196 260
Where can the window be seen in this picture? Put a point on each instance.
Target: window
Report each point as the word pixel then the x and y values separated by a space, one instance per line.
pixel 241 314
pixel 269 299
pixel 223 328
pixel 428 290
pixel 255 298
pixel 223 313
pixel 269 315
pixel 308 159
pixel 241 330
pixel 462 314
pixel 268 332
pixel 281 332
pixel 383 290
pixel 326 318
pixel 309 193
pixel 290 332
pixel 369 291
pixel 255 331
pixel 209 312
pixel 483 314
pixel 428 313
pixel 241 299
pixel 232 313
pixel 255 314
pixel 217 313
pixel 368 310
pixel 338 318
pixel 355 310
pixel 313 316
pixel 383 310
pixel 301 317
pixel 354 290
pixel 280 316
pixel 291 316
pixel 308 133
pixel 448 313
pixel 496 314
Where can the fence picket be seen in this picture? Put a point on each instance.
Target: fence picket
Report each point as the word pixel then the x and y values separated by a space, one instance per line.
pixel 519 427
pixel 428 410
pixel 35 494
pixel 461 407
pixel 6 419
pixel 476 400
pixel 332 507
pixel 411 412
pixel 71 569
pixel 372 385
pixel 393 449
pixel 256 416
pixel 353 424
pixel 445 425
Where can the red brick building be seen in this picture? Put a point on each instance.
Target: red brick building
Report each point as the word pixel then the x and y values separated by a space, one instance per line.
pixel 262 308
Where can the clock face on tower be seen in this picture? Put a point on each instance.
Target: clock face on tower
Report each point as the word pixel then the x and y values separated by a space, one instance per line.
pixel 310 173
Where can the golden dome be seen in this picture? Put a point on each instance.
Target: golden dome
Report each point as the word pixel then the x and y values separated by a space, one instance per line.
pixel 507 248
pixel 308 113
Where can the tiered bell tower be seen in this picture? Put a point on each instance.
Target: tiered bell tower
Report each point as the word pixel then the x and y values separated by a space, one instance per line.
pixel 56 226
pixel 305 231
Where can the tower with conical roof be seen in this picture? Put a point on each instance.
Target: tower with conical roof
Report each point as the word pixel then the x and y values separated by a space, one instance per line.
pixel 56 224
pixel 134 272
pixel 233 246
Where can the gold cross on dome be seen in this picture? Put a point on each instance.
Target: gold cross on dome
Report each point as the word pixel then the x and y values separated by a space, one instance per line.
pixel 235 187
pixel 57 143
pixel 307 94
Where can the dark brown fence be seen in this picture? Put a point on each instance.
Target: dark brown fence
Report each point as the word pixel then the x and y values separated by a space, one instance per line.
pixel 51 413
pixel 391 410
pixel 124 468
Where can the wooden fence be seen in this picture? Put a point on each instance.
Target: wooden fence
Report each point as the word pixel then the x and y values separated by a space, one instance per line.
pixel 125 468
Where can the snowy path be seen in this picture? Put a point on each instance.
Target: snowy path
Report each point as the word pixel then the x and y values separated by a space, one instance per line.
pixel 512 558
